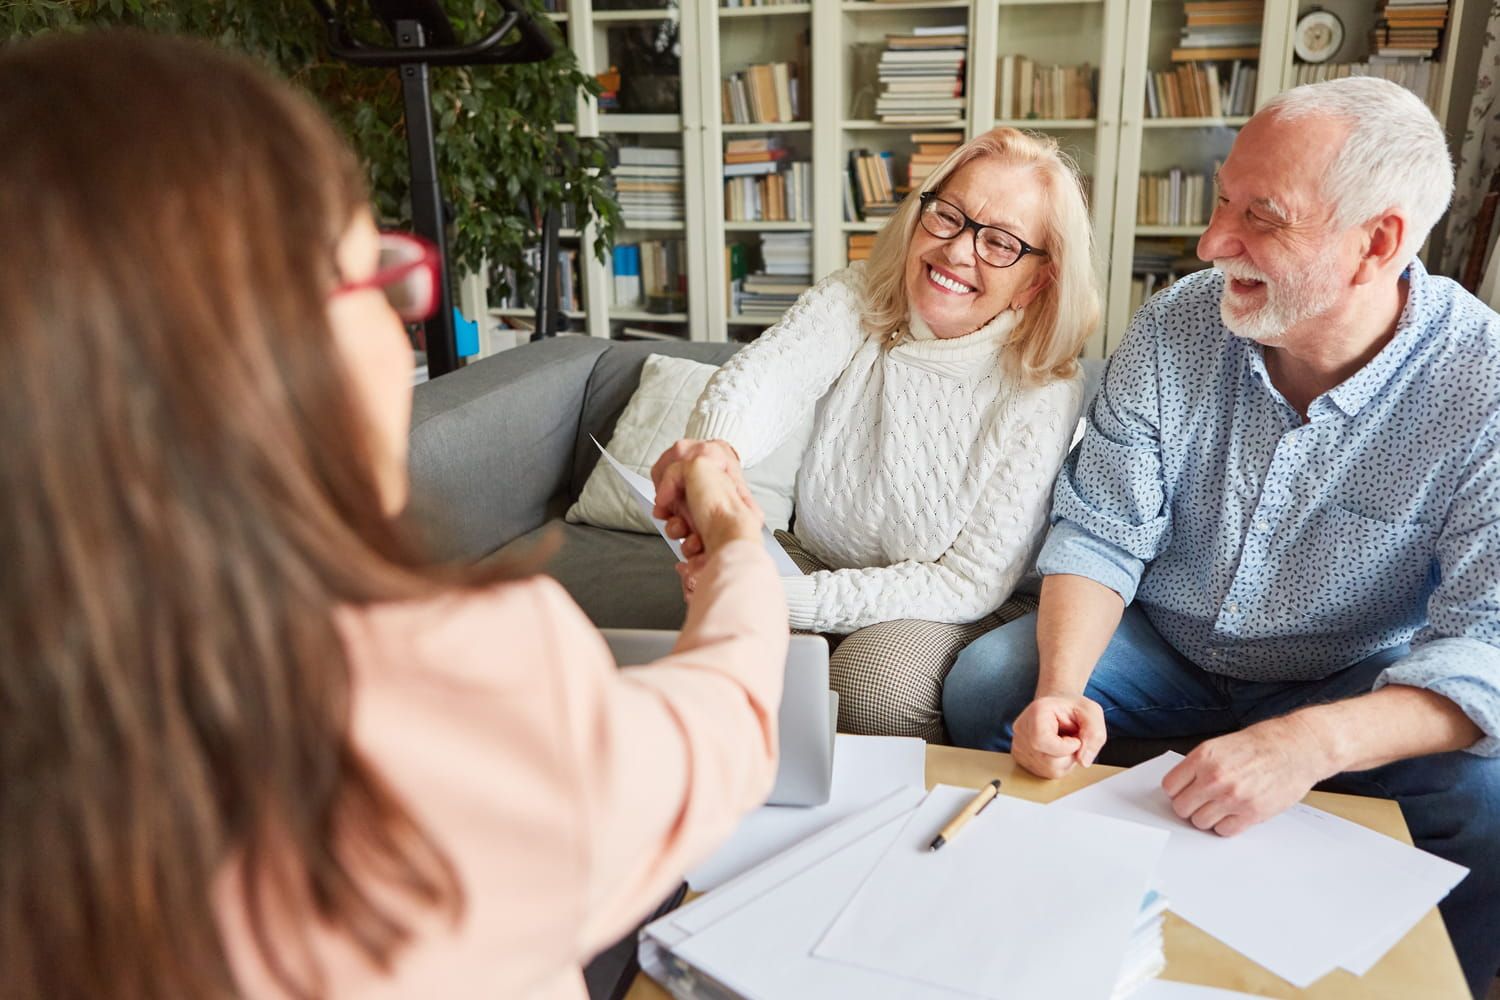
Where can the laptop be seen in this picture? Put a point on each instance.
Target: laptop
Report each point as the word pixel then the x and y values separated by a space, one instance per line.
pixel 808 715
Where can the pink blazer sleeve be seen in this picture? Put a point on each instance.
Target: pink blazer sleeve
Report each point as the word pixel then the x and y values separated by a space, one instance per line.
pixel 671 755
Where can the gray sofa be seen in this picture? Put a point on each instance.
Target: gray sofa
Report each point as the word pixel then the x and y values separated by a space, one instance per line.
pixel 500 449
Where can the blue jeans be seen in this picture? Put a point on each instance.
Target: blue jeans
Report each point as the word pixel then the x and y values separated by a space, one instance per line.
pixel 1147 689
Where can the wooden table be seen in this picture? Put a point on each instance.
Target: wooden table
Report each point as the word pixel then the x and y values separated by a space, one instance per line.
pixel 1422 966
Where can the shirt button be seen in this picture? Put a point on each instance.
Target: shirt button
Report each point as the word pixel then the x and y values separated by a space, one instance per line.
pixel 1234 608
pixel 1261 524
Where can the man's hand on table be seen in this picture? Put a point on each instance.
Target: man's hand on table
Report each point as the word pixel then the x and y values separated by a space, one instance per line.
pixel 1057 733
pixel 1232 782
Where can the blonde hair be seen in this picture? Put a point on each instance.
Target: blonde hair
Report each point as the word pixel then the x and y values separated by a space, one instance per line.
pixel 1046 343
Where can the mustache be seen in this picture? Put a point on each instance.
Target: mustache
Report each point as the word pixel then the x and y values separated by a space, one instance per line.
pixel 1240 270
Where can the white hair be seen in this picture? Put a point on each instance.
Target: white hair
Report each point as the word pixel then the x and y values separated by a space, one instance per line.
pixel 1394 157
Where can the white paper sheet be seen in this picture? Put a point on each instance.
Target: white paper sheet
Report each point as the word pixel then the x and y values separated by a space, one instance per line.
pixel 864 769
pixel 756 933
pixel 1298 894
pixel 643 492
pixel 1025 901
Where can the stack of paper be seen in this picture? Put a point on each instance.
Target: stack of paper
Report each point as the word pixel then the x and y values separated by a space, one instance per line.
pixel 1026 901
pixel 1300 894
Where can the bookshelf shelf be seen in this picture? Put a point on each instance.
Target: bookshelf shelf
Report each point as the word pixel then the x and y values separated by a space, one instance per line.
pixel 867 226
pixel 567 233
pixel 1231 122
pixel 1142 230
pixel 1048 124
pixel 753 319
pixel 635 16
pixel 767 227
pixel 643 226
pixel 774 11
pixel 870 125
pixel 610 121
pixel 864 6
pixel 642 316
pixel 560 16
pixel 529 312
pixel 754 128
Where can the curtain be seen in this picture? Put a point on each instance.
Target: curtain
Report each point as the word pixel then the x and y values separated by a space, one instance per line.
pixel 1479 154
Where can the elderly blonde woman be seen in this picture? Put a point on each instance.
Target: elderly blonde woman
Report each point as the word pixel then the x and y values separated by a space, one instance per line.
pixel 945 387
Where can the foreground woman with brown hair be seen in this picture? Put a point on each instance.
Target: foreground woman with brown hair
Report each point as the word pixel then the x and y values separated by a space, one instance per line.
pixel 251 742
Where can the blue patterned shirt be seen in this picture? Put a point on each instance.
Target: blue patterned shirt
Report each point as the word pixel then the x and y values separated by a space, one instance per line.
pixel 1267 548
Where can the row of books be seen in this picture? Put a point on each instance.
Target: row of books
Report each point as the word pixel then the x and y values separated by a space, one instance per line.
pixel 1199 90
pixel 521 287
pixel 1175 198
pixel 1031 90
pixel 785 196
pixel 1420 76
pixel 735 4
pixel 650 275
pixel 921 75
pixel 648 182
pixel 763 92
pixel 870 190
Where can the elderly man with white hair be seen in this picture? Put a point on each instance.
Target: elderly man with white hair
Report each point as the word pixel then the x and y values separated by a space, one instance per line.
pixel 1283 522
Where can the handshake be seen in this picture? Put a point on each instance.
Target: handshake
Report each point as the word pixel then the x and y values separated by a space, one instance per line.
pixel 701 494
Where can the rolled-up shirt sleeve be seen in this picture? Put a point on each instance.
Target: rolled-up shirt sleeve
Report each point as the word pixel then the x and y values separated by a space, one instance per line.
pixel 1457 654
pixel 1109 511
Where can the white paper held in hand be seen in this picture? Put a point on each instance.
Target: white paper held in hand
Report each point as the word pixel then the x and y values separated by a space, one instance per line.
pixel 643 492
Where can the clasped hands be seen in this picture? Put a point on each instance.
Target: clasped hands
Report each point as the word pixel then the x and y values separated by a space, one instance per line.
pixel 1226 784
pixel 702 496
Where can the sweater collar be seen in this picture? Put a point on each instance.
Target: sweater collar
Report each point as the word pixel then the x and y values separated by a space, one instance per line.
pixel 919 342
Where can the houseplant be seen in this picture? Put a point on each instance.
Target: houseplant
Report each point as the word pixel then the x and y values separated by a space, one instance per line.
pixel 497 147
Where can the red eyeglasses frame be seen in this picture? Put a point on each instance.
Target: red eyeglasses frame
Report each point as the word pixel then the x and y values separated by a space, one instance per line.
pixel 429 263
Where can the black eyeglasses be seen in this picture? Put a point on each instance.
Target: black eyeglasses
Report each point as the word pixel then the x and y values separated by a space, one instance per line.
pixel 993 245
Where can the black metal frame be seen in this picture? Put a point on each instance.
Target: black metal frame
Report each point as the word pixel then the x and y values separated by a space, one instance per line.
pixel 424 37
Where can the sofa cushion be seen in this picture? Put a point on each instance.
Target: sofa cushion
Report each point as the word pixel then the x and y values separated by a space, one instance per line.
pixel 620 579
pixel 654 418
pixel 615 376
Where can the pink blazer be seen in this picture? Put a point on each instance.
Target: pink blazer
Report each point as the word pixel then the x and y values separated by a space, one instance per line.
pixel 570 795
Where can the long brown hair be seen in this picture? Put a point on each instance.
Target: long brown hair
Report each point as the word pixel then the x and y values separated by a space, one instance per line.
pixel 187 500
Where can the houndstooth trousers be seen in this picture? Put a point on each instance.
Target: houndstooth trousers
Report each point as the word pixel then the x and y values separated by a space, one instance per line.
pixel 889 676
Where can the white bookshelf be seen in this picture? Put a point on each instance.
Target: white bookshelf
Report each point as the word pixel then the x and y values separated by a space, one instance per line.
pixel 1123 40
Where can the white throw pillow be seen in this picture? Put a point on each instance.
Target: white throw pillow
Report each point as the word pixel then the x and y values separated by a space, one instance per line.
pixel 654 418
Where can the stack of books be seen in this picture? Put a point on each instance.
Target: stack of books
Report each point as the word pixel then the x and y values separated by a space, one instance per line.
pixel 760 185
pixel 922 76
pixel 1220 29
pixel 786 274
pixel 764 92
pixel 1408 28
pixel 1174 198
pixel 648 180
pixel 1199 90
pixel 860 245
pixel 932 148
pixel 1030 90
pixel 870 186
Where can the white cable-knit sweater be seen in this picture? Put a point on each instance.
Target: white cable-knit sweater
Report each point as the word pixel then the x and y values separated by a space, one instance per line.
pixel 929 477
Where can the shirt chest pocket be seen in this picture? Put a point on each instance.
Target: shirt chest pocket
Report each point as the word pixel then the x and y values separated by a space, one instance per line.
pixel 1375 568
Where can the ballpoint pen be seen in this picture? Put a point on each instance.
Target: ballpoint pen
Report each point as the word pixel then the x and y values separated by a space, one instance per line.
pixel 974 808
